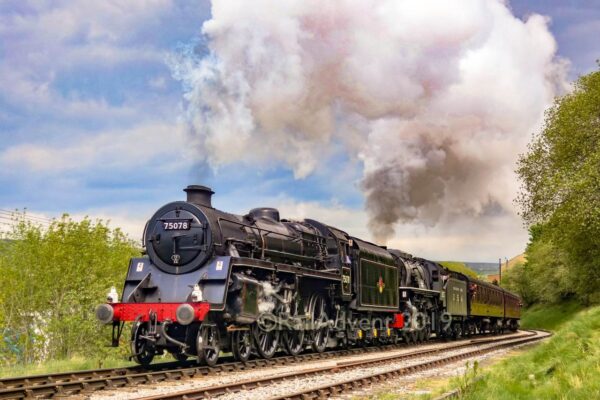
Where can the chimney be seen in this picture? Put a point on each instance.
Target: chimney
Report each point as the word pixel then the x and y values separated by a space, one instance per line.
pixel 199 195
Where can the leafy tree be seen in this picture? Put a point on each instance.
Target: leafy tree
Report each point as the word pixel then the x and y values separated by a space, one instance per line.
pixel 561 193
pixel 52 279
pixel 544 277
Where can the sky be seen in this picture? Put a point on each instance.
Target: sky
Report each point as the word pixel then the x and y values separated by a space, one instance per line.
pixel 94 121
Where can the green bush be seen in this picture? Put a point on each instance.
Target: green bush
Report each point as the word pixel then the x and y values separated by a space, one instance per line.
pixel 52 279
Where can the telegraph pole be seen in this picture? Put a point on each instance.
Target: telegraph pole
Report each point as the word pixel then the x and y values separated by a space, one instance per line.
pixel 499 270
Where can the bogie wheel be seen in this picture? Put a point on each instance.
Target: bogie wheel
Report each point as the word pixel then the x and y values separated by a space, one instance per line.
pixel 317 307
pixel 458 332
pixel 142 350
pixel 408 337
pixel 414 337
pixel 267 340
pixel 241 345
pixel 425 334
pixel 420 325
pixel 208 345
pixel 344 342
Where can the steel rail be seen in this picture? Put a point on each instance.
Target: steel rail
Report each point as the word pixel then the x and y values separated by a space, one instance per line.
pixel 320 392
pixel 71 383
pixel 350 385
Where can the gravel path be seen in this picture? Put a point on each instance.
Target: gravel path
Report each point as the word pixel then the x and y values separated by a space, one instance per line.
pixel 284 387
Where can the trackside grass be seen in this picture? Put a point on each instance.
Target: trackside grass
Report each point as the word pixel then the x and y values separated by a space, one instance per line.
pixel 567 366
pixel 74 364
pixel 541 316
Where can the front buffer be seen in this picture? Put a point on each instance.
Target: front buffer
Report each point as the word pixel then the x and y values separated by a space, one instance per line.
pixel 169 311
pixel 156 327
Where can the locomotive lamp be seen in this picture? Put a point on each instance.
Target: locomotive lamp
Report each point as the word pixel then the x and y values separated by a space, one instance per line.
pixel 112 296
pixel 197 294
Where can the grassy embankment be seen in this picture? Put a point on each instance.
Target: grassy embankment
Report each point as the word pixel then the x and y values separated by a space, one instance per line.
pixel 567 366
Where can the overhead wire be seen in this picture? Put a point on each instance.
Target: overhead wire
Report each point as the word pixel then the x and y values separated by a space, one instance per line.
pixel 19 214
pixel 17 219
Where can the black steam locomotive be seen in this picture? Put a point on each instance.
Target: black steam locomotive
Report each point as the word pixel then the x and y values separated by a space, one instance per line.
pixel 255 284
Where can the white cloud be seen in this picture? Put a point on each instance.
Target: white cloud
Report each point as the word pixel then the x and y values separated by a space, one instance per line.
pixel 122 149
pixel 45 39
pixel 130 220
pixel 158 82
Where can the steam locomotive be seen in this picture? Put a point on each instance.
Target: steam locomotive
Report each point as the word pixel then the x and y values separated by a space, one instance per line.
pixel 255 284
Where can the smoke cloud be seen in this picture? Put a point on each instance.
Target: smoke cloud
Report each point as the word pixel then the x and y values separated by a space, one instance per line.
pixel 435 98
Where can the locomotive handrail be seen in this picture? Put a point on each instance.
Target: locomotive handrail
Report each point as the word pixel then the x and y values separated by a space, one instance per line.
pixel 265 232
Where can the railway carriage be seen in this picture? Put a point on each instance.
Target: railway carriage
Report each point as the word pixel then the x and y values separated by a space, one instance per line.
pixel 253 284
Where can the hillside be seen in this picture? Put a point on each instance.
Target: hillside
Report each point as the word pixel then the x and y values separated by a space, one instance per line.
pixel 520 259
pixel 459 267
pixel 483 268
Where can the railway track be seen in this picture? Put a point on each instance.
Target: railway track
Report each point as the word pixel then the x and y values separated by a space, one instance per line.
pixel 85 382
pixel 352 384
pixel 71 383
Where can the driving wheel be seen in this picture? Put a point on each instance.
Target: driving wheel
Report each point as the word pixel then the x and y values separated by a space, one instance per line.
pixel 266 340
pixel 318 311
pixel 241 345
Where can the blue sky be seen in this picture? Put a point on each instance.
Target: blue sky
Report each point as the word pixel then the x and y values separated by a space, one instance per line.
pixel 91 117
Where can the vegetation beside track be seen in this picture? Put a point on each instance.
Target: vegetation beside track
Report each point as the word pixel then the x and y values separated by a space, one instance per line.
pixel 51 280
pixel 550 316
pixel 75 363
pixel 564 367
pixel 560 202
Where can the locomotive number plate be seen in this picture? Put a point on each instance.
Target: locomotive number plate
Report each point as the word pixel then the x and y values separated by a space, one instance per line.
pixel 176 224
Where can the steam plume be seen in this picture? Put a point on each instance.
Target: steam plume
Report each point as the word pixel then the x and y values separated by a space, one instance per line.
pixel 436 98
